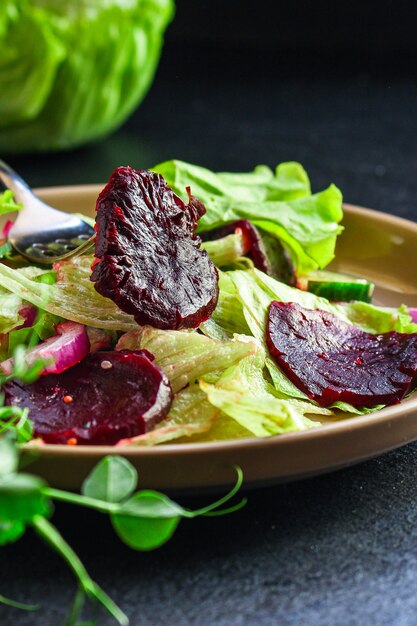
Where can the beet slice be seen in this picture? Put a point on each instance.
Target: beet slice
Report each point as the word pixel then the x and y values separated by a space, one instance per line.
pixel 332 360
pixel 266 251
pixel 148 259
pixel 107 397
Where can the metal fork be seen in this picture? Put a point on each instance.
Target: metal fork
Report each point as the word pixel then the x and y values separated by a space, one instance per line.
pixel 41 233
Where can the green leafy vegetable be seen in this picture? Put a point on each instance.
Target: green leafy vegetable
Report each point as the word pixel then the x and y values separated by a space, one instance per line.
pixel 72 72
pixel 228 317
pixel 244 395
pixel 5 249
pixel 373 319
pixel 147 520
pixel 10 531
pixel 280 204
pixel 187 356
pixel 14 419
pixel 224 251
pixel 7 203
pixel 73 296
pixel 26 373
pixel 289 181
pixel 18 605
pixel 113 479
pixel 10 305
pixel 21 497
pixel 9 457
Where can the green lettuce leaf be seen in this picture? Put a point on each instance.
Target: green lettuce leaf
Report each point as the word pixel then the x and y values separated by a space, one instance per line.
pixel 228 317
pixel 281 204
pixel 242 394
pixel 373 319
pixel 190 414
pixel 223 428
pixel 10 305
pixel 43 327
pixel 256 291
pixel 224 251
pixel 187 356
pixel 72 297
pixel 289 181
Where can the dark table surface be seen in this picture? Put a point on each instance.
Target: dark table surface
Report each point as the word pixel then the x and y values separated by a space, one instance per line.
pixel 338 550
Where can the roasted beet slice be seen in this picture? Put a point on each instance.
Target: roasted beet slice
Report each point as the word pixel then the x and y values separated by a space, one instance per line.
pixel 148 259
pixel 332 360
pixel 107 397
pixel 265 250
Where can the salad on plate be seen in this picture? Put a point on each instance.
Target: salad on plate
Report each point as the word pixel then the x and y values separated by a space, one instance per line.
pixel 206 313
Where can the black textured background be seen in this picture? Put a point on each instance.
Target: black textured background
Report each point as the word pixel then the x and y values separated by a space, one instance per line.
pixel 337 90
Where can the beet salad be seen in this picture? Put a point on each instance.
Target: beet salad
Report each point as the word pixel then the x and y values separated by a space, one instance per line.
pixel 205 313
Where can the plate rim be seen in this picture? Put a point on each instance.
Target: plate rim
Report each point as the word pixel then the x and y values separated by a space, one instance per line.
pixel 325 431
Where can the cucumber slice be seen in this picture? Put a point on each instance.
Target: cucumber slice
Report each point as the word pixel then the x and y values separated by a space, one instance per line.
pixel 337 287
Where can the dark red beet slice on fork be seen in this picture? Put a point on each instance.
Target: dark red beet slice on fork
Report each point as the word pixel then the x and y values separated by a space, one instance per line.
pixel 107 397
pixel 332 360
pixel 266 251
pixel 148 259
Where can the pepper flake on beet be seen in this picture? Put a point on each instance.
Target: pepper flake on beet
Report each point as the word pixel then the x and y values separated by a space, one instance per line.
pixel 92 403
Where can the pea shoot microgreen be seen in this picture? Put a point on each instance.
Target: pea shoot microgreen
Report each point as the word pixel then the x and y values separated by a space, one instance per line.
pixel 144 519
pixel 18 605
pixel 7 203
pixel 12 418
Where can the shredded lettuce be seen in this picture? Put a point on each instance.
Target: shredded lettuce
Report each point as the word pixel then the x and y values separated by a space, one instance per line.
pixel 72 297
pixel 187 356
pixel 224 251
pixel 228 317
pixel 242 393
pixel 10 305
pixel 43 327
pixel 224 428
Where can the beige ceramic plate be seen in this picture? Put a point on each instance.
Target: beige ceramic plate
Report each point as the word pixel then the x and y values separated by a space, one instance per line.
pixel 375 246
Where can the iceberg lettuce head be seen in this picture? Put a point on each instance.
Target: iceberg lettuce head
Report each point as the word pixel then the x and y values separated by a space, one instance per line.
pixel 73 70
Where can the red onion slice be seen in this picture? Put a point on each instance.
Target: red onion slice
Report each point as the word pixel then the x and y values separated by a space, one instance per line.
pixel 7 228
pixel 68 347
